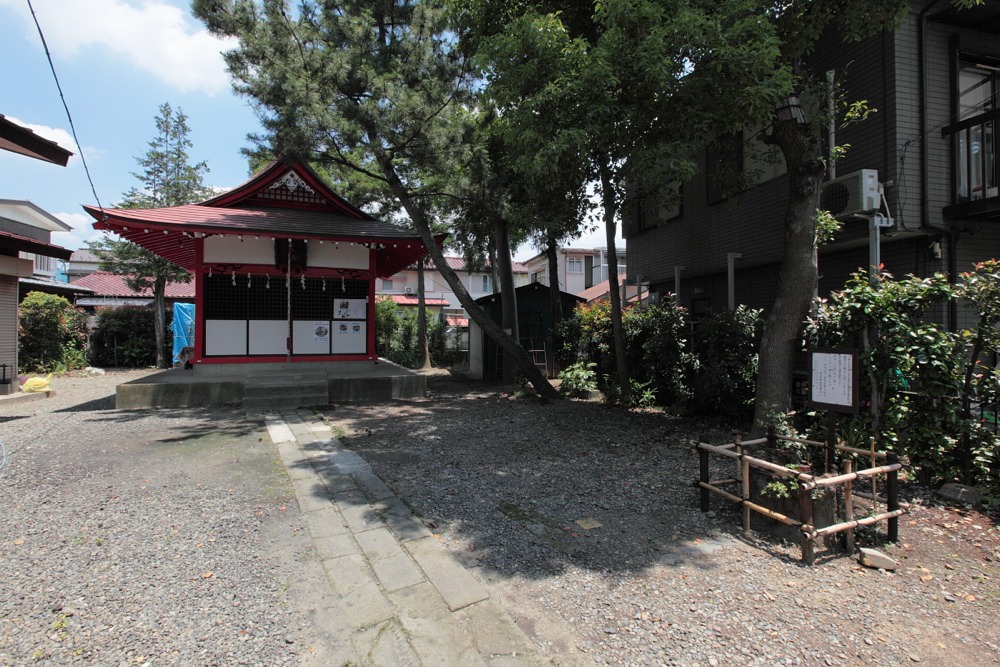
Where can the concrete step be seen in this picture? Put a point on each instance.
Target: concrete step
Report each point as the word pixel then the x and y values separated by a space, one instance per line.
pixel 285 390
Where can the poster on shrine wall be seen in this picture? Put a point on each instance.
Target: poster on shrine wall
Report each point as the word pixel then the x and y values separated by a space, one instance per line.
pixel 350 309
pixel 833 380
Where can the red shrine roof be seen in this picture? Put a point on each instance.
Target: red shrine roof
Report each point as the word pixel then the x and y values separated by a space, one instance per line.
pixel 283 200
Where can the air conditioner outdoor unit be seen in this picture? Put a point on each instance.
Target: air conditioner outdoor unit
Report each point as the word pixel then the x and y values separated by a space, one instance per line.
pixel 409 290
pixel 855 194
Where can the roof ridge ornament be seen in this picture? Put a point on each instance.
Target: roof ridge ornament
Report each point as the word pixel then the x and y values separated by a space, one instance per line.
pixel 292 181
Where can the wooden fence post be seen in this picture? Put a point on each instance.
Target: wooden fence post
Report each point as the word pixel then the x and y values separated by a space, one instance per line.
pixel 806 517
pixel 892 496
pixel 849 506
pixel 703 475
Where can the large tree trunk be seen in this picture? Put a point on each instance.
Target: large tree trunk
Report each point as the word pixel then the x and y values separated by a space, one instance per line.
pixel 797 277
pixel 507 344
pixel 163 358
pixel 610 229
pixel 552 257
pixel 555 296
pixel 508 297
pixel 422 343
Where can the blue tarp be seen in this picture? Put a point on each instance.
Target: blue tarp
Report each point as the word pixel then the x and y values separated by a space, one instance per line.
pixel 182 328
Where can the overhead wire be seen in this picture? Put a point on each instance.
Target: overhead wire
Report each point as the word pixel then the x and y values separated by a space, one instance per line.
pixel 62 98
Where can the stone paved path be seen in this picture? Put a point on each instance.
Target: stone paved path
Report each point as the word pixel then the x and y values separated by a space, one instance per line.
pixel 397 594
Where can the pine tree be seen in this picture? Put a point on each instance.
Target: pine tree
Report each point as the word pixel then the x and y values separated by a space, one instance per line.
pixel 167 179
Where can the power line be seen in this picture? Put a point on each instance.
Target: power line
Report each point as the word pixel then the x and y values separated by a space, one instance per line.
pixel 62 97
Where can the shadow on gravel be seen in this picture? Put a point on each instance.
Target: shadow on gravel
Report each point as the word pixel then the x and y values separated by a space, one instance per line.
pixel 106 403
pixel 529 488
pixel 10 418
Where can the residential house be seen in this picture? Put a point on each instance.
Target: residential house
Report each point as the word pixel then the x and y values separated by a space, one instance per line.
pixel 579 268
pixel 109 290
pixel 81 263
pixel 25 234
pixel 479 282
pixel 927 159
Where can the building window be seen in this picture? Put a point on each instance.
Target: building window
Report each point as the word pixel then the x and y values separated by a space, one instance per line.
pixel 974 136
pixel 487 283
pixel 387 286
pixel 574 265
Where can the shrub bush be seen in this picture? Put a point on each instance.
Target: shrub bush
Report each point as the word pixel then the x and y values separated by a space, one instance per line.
pixel 656 351
pixel 725 346
pixel 125 337
pixel 52 334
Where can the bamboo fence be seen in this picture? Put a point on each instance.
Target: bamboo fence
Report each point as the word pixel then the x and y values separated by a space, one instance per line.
pixel 740 451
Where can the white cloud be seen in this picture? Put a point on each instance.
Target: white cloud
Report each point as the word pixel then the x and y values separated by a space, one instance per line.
pixel 153 36
pixel 83 231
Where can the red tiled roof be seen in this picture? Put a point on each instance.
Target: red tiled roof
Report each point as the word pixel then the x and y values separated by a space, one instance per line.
pixel 411 300
pixel 595 291
pixel 109 284
pixel 456 321
pixel 602 290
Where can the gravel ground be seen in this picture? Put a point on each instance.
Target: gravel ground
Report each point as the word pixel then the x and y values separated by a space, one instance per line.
pixel 171 538
pixel 583 519
pixel 148 537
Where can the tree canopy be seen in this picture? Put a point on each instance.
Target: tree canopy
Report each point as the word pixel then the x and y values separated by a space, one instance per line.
pixel 168 178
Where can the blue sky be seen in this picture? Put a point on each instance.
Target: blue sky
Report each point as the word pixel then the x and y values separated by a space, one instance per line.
pixel 117 62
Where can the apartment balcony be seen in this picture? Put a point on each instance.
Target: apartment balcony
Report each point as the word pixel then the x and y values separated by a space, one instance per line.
pixel 974 147
pixel 600 273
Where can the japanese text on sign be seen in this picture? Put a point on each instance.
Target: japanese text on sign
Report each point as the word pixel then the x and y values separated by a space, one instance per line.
pixel 832 381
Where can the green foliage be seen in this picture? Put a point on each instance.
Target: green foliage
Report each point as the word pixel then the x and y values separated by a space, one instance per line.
pixel 167 179
pixel 387 324
pixel 925 379
pixel 578 379
pixel 826 226
pixel 396 337
pixel 725 345
pixel 52 334
pixel 124 337
pixel 656 351
pixel 587 335
pixel 713 372
pixel 781 488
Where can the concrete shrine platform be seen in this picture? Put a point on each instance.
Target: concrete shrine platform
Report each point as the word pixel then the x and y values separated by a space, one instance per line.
pixel 259 386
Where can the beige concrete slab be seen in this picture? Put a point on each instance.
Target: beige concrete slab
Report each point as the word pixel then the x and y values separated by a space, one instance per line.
pixel 406 529
pixel 325 522
pixel 335 546
pixel 392 565
pixel 359 515
pixel 434 632
pixel 492 631
pixel 311 494
pixel 458 588
pixel 277 430
pixel 386 644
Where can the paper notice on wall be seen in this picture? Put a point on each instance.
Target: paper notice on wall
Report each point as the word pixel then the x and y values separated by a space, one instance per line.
pixel 351 329
pixel 350 309
pixel 321 332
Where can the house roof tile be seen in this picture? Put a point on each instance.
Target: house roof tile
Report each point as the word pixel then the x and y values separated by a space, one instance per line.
pixel 109 284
